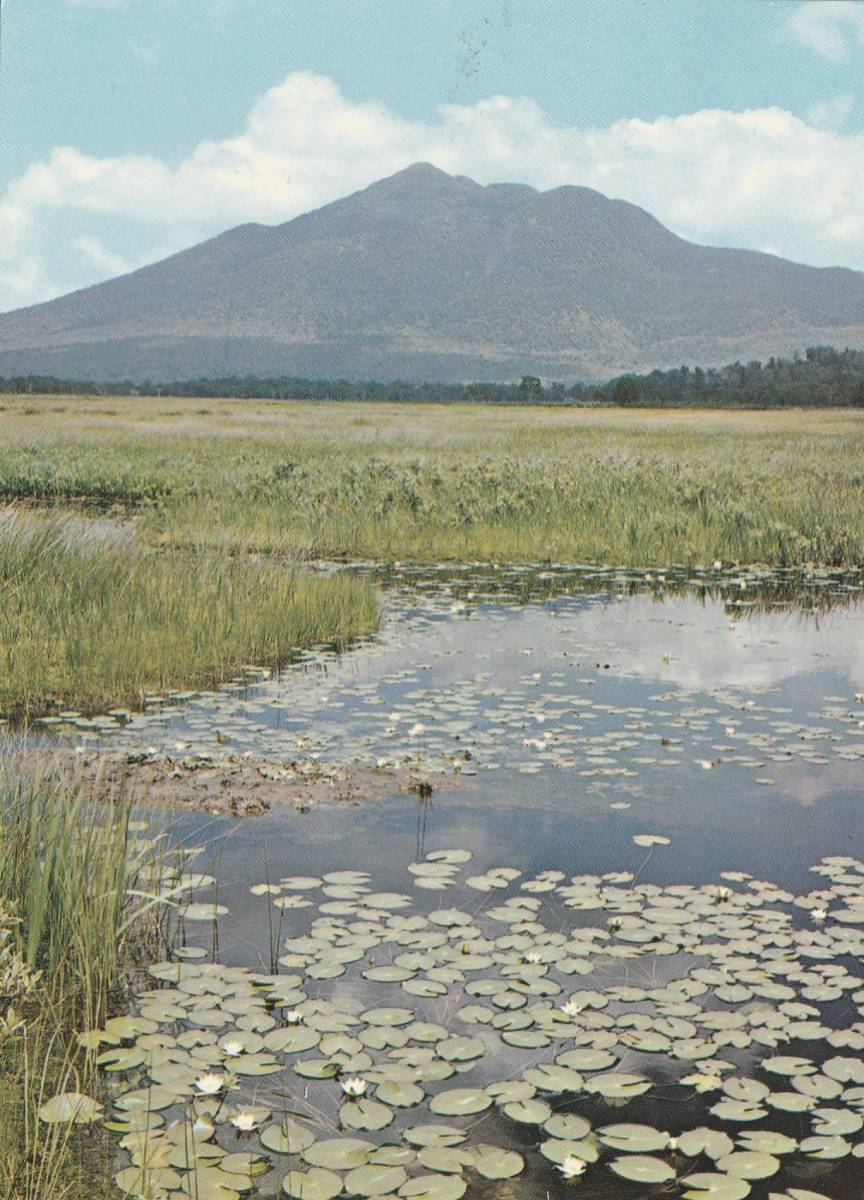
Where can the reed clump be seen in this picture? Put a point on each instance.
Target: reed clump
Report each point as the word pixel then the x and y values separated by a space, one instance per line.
pixel 91 620
pixel 82 901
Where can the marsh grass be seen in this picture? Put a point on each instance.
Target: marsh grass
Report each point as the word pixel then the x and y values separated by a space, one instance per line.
pixel 84 887
pixel 92 622
pixel 458 482
pixel 59 1160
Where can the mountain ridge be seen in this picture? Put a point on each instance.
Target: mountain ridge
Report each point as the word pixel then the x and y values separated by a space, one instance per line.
pixel 426 275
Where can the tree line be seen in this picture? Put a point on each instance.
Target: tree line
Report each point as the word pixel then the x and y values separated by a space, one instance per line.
pixel 822 377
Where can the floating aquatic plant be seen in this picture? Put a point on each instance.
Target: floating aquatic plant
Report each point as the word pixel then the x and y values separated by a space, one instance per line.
pixel 466 1053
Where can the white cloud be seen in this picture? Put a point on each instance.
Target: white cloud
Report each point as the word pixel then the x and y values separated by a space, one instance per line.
pixel 104 261
pixel 831 113
pixel 758 177
pixel 830 27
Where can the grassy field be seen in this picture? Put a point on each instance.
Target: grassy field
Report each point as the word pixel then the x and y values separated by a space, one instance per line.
pixel 645 487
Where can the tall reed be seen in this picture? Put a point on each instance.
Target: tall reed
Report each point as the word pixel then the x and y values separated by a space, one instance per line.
pixel 82 891
pixel 92 620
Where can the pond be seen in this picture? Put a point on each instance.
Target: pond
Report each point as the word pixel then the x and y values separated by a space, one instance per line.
pixel 602 929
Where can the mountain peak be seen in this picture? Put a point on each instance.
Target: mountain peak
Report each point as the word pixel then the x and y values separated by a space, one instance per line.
pixel 427 275
pixel 418 172
pixel 424 178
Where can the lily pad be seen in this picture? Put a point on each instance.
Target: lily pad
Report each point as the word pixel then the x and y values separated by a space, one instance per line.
pixel 339 1154
pixel 642 1168
pixel 374 1180
pixel 70 1108
pixel 287 1138
pixel 434 1187
pixel 633 1138
pixel 365 1114
pixel 707 1185
pixel 314 1184
pixel 460 1102
pixel 749 1164
pixel 494 1163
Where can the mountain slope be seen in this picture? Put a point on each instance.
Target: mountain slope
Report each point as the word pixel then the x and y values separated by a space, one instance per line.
pixel 425 275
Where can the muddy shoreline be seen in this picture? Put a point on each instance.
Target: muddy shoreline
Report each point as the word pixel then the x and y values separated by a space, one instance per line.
pixel 236 786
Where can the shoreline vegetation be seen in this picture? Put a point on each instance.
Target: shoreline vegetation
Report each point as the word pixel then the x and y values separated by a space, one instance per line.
pixel 82 903
pixel 91 622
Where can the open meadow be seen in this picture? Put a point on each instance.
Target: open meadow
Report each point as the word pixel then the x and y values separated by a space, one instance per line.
pixel 429 483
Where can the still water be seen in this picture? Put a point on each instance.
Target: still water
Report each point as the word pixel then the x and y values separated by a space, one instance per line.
pixel 559 718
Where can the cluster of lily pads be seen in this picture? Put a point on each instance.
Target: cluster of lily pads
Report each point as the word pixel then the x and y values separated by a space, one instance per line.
pixel 519 692
pixel 697 1041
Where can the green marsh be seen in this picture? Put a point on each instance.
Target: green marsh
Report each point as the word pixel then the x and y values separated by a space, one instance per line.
pixel 466 482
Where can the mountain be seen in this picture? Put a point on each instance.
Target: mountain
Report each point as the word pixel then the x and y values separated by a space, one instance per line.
pixel 429 276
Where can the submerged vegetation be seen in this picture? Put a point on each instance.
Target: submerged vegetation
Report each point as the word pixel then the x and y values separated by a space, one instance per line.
pixel 91 619
pixel 76 912
pixel 469 483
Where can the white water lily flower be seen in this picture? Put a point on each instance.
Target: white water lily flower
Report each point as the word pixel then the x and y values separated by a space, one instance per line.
pixel 232 1048
pixel 294 1017
pixel 671 1142
pixel 353 1087
pixel 819 914
pixel 417 729
pixel 210 1085
pixel 572 1167
pixel 533 956
pixel 723 893
pixel 571 1009
pixel 245 1121
pixel 731 730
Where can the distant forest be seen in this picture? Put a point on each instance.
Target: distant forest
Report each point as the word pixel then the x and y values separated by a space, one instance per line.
pixel 823 377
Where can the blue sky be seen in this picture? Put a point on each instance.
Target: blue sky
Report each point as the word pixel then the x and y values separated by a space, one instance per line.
pixel 131 128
